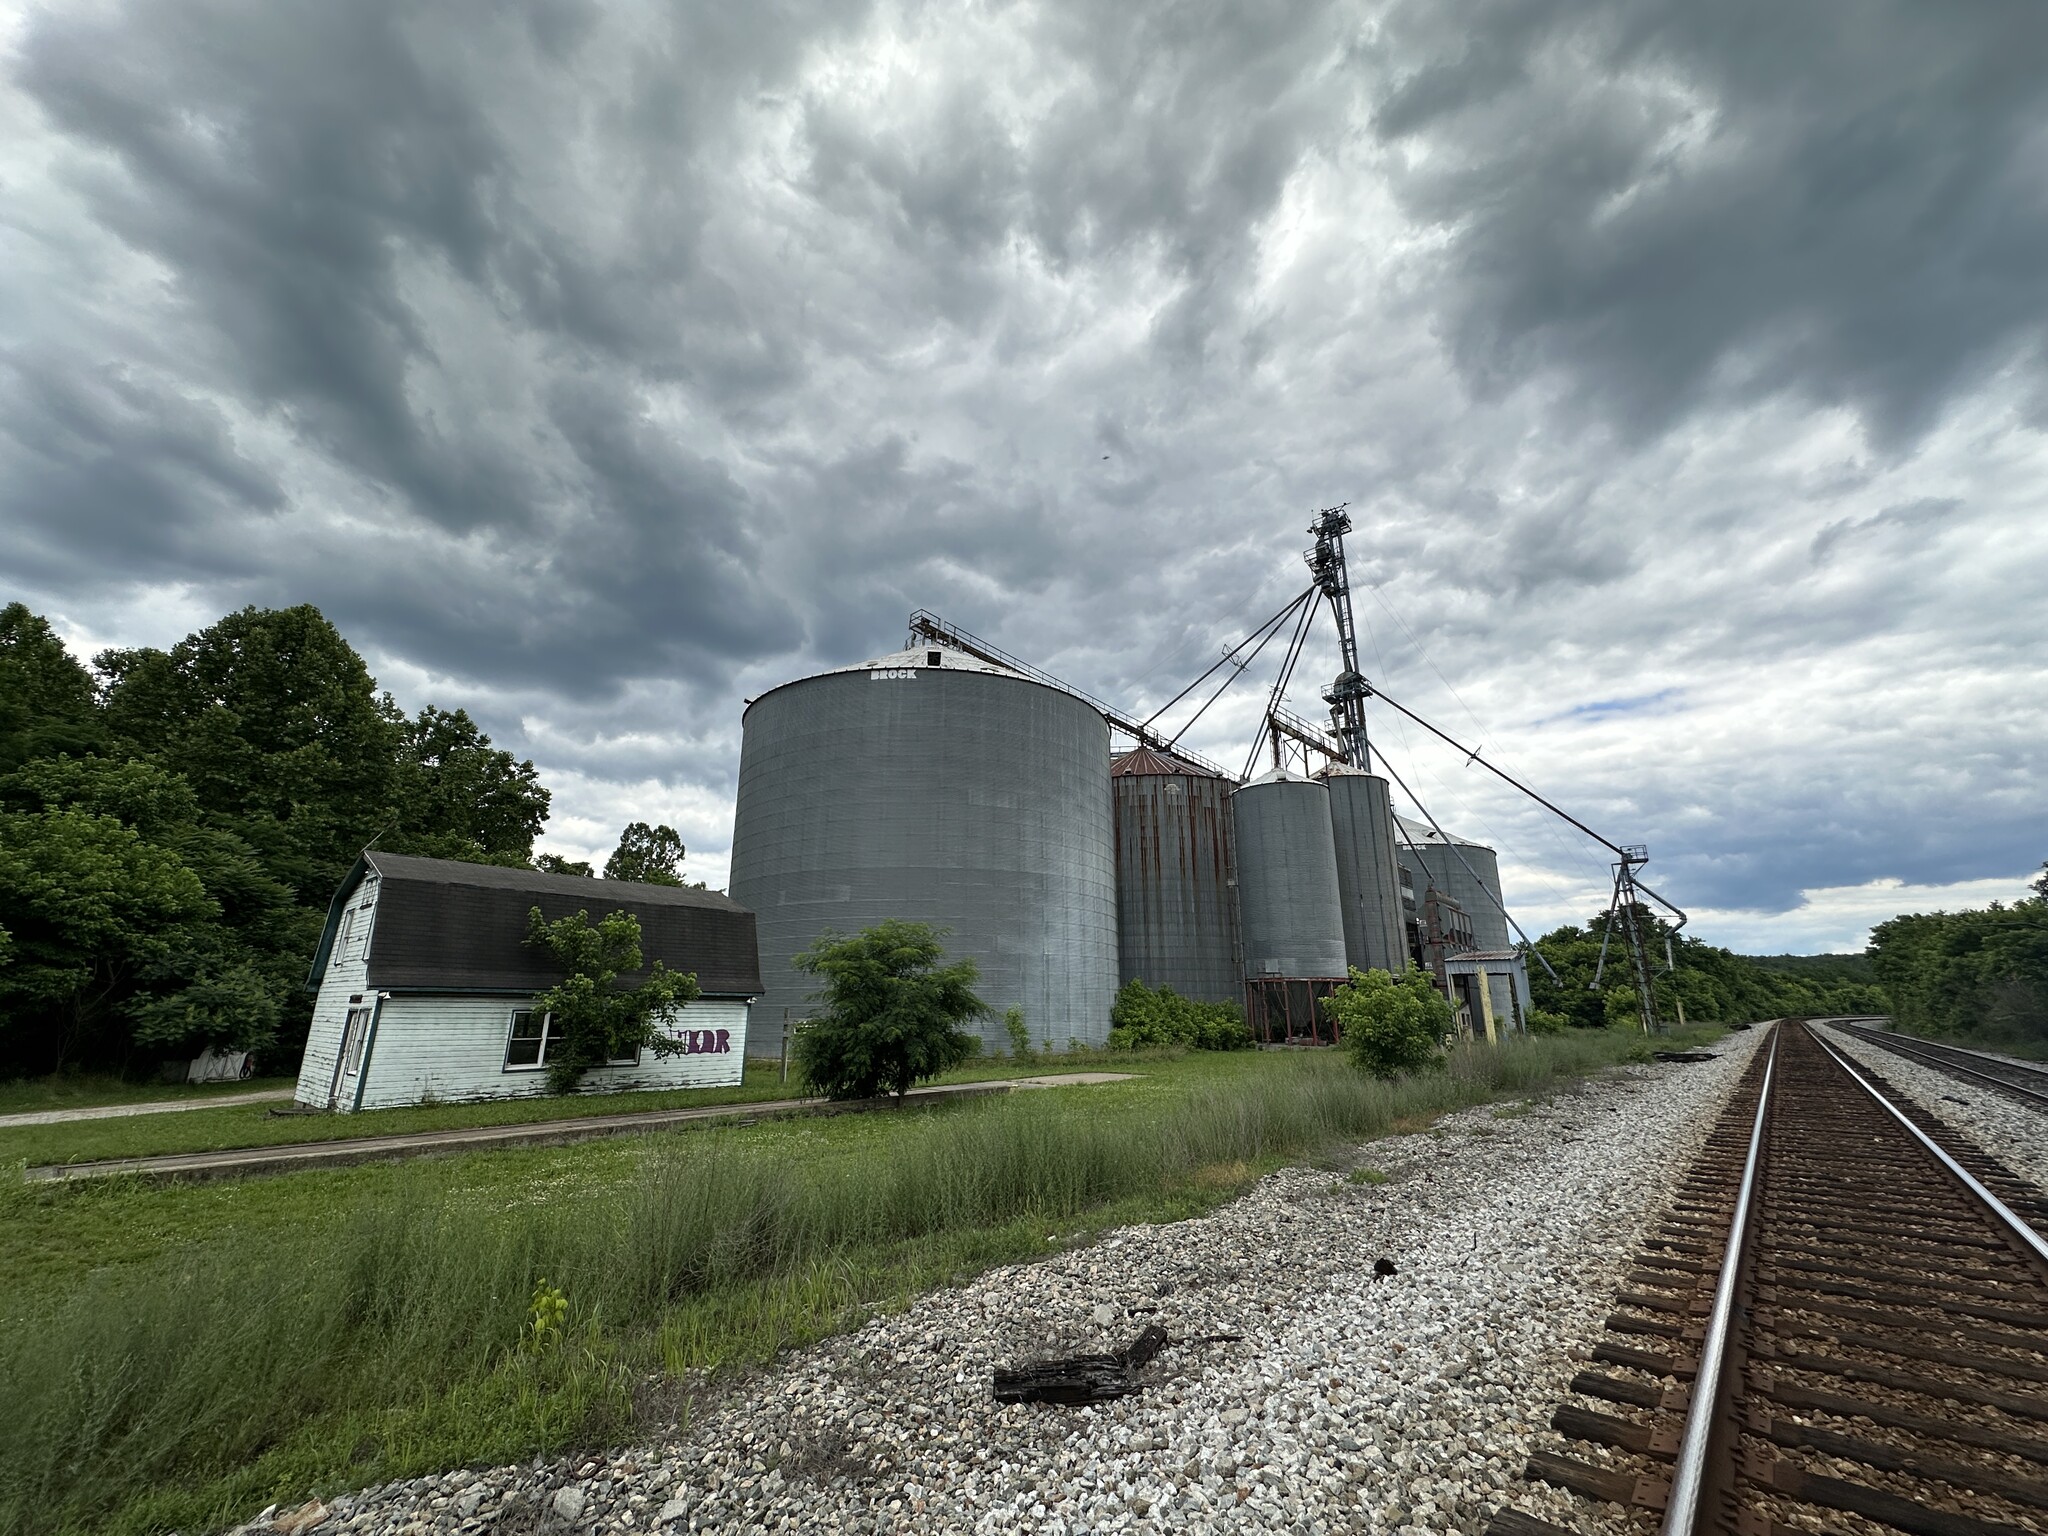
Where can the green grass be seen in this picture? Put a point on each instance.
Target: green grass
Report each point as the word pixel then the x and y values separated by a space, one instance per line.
pixel 253 1125
pixel 178 1356
pixel 26 1095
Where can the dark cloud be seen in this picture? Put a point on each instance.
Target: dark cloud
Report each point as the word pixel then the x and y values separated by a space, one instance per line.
pixel 598 366
pixel 1673 202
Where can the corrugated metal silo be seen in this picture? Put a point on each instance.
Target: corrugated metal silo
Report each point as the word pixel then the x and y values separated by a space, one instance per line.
pixel 1368 869
pixel 1291 914
pixel 932 786
pixel 1427 857
pixel 1176 910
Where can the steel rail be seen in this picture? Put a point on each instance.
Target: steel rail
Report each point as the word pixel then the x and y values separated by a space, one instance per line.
pixel 1939 1058
pixel 1681 1513
pixel 2020 1229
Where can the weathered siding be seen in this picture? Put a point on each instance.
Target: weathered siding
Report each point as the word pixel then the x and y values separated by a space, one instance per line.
pixel 347 974
pixel 451 1049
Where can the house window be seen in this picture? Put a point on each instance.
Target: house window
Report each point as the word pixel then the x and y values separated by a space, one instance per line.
pixel 527 1041
pixel 526 1046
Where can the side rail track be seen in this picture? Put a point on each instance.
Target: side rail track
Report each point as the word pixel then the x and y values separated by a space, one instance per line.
pixel 2027 1084
pixel 1840 1325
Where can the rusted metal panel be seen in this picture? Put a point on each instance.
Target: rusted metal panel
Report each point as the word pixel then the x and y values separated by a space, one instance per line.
pixel 1175 867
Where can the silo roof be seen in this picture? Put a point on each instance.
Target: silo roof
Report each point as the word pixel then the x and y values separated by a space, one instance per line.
pixel 1144 761
pixel 918 658
pixel 1282 776
pixel 921 656
pixel 1420 834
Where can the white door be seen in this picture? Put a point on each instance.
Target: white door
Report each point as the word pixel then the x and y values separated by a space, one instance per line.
pixel 348 1065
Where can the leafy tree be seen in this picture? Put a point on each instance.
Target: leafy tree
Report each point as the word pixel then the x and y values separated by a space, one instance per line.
pixel 458 797
pixel 277 725
pixel 255 756
pixel 47 703
pixel 1391 1024
pixel 1710 983
pixel 2040 885
pixel 555 864
pixel 597 1016
pixel 227 978
pixel 651 855
pixel 92 911
pixel 1979 974
pixel 892 1013
pixel 1155 1016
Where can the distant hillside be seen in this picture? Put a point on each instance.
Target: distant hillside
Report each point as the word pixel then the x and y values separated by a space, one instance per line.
pixel 1817 967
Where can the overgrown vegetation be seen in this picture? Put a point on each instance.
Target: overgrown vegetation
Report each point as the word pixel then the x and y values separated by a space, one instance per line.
pixel 1980 975
pixel 1709 984
pixel 1148 1017
pixel 891 1012
pixel 346 1339
pixel 174 822
pixel 596 1017
pixel 1391 1024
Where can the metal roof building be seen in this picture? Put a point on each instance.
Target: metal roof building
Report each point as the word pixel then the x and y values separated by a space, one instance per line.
pixel 1477 889
pixel 933 786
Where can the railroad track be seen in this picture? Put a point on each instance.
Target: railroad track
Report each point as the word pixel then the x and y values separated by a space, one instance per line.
pixel 1840 1326
pixel 2028 1084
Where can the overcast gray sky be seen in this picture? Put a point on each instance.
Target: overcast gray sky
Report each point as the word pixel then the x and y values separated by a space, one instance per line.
pixel 597 367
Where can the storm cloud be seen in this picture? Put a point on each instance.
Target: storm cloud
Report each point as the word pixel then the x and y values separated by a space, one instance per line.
pixel 597 367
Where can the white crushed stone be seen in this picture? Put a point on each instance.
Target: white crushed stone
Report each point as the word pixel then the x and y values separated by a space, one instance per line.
pixel 2005 1127
pixel 1352 1404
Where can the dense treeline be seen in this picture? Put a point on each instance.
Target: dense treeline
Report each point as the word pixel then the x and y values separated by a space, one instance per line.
pixel 173 824
pixel 1978 974
pixel 1712 985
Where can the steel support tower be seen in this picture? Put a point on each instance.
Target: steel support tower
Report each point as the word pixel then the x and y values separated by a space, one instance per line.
pixel 1347 695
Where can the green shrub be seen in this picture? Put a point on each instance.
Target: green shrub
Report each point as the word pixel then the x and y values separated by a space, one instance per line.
pixel 1391 1025
pixel 1018 1031
pixel 1156 1016
pixel 1542 1022
pixel 892 1013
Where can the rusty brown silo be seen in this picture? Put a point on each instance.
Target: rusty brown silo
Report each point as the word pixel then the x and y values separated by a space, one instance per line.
pixel 1176 874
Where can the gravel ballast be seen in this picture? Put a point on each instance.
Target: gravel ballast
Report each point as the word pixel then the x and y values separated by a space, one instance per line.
pixel 2006 1128
pixel 1351 1403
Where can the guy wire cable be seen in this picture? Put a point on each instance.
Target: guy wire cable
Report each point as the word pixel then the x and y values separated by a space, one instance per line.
pixel 1501 773
pixel 1575 853
pixel 1280 682
pixel 1527 942
pixel 1270 624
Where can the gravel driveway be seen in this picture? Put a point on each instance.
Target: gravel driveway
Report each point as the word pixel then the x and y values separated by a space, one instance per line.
pixel 1351 1403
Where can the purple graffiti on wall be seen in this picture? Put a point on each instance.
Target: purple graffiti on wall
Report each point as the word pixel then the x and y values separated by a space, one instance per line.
pixel 706 1042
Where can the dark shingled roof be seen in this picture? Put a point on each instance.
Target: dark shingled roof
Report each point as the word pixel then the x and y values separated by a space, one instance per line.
pixel 446 926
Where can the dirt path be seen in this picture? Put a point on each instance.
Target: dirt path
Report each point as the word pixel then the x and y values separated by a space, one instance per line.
pixel 329 1154
pixel 147 1107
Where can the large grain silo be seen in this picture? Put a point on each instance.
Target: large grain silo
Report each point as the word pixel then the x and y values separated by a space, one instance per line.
pixel 1288 906
pixel 1470 876
pixel 1176 906
pixel 1368 869
pixel 936 787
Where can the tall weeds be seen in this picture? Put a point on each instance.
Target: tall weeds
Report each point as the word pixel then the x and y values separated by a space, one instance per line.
pixel 230 1370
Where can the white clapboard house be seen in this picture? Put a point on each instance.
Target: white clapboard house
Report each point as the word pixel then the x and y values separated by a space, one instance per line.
pixel 426 984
